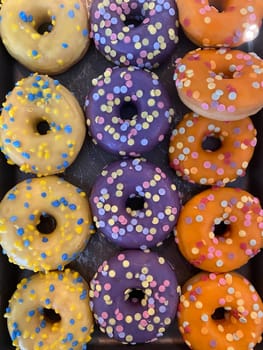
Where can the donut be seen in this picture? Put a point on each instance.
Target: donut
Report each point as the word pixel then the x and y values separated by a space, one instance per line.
pixel 220 229
pixel 220 311
pixel 232 144
pixel 45 36
pixel 202 21
pixel 135 32
pixel 42 127
pixel 134 296
pixel 50 311
pixel 134 204
pixel 215 83
pixel 125 117
pixel 44 223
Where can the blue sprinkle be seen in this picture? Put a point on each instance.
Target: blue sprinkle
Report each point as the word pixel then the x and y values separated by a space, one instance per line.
pixel 72 321
pixel 68 129
pixel 20 231
pixel 26 205
pixel 5 126
pixel 69 336
pixel 44 239
pixel 20 93
pixel 51 288
pixel 8 310
pixel 85 32
pixel 64 45
pixel 11 196
pixel 43 324
pixel 40 343
pixel 37 330
pixel 60 276
pixel 31 217
pixel 72 207
pixel 17 144
pixel 23 16
pixel 64 257
pixel 8 107
pixel 43 194
pixel 34 53
pixel 25 155
pixel 77 6
pixel 64 155
pixel 31 97
pixel 56 82
pixel 61 6
pixel 47 301
pixel 43 255
pixel 83 295
pixel 84 329
pixel 65 164
pixel 26 243
pixel 71 13
pixel 31 313
pixel 80 221
pixel 13 218
pixel 75 343
pixel 7 141
pixel 56 203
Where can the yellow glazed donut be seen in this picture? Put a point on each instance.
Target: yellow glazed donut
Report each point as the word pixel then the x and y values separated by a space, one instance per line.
pixel 216 23
pixel 51 50
pixel 220 84
pixel 191 160
pixel 220 311
pixel 44 223
pixel 220 229
pixel 42 126
pixel 50 312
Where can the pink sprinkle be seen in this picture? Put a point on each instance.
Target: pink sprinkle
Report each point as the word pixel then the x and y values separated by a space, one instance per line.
pixel 248 252
pixel 121 257
pixel 110 97
pixel 153 284
pixel 115 229
pixel 143 323
pixel 143 53
pixel 202 11
pixel 113 37
pixel 162 289
pixel 127 39
pixel 186 22
pixel 119 328
pixel 166 283
pixel 97 14
pixel 113 6
pixel 149 238
pixel 99 136
pixel 107 286
pixel 145 315
pixel 100 120
pixel 221 107
pixel 222 281
pixel 110 180
pixel 231 109
pixel 174 210
pixel 218 253
pixel 194 155
pixel 166 228
pixel 253 17
pixel 122 219
pixel 160 104
pixel 146 184
pixel 212 276
pixel 220 171
pixel 129 83
pixel 205 106
pixel 210 256
pixel 207 164
pixel 119 317
pixel 104 315
pixel 221 301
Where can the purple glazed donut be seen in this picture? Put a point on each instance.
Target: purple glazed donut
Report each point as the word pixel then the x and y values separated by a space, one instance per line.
pixel 134 204
pixel 142 33
pixel 134 296
pixel 118 93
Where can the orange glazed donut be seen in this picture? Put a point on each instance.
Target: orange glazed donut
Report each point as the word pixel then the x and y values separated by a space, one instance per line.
pixel 215 23
pixel 220 229
pixel 234 144
pixel 220 311
pixel 220 84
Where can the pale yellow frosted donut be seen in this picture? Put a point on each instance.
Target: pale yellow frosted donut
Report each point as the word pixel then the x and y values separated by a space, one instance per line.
pixel 50 311
pixel 42 127
pixel 50 50
pixel 44 223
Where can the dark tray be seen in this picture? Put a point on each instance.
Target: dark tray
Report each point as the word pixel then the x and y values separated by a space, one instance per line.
pixel 88 166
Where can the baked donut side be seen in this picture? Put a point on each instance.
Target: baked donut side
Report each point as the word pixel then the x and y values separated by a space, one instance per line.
pixel 220 311
pixel 134 296
pixel 127 117
pixel 215 83
pixel 42 127
pixel 29 29
pixel 220 229
pixel 211 152
pixel 50 311
pixel 44 223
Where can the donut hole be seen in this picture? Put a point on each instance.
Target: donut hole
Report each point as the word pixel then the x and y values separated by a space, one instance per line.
pixel 128 110
pixel 221 229
pixel 47 223
pixel 135 202
pixel 218 4
pixel 44 26
pixel 50 316
pixel 133 19
pixel 220 313
pixel 134 295
pixel 211 143
pixel 42 127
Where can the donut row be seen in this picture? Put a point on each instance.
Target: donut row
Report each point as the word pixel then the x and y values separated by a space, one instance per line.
pixel 216 310
pixel 118 29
